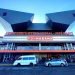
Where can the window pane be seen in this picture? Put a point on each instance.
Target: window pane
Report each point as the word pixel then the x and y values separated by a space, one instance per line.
pixel 31 58
pixel 19 58
pixel 26 58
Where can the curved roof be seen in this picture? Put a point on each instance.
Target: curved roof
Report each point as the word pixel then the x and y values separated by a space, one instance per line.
pixel 14 17
pixel 60 21
pixel 64 17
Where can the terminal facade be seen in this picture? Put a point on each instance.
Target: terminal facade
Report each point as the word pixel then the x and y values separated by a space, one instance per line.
pixel 46 40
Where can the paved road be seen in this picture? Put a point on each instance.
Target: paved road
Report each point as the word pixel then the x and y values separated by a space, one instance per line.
pixel 37 70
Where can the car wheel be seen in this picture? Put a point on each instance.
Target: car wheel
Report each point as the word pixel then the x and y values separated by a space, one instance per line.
pixel 18 64
pixel 49 65
pixel 62 64
pixel 31 64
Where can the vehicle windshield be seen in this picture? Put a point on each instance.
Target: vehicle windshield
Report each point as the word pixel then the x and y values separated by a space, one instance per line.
pixel 19 58
pixel 55 59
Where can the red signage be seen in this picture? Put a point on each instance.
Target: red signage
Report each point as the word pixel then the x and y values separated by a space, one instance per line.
pixel 37 33
pixel 39 38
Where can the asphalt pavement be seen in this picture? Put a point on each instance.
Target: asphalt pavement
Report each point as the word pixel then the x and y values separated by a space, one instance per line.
pixel 37 70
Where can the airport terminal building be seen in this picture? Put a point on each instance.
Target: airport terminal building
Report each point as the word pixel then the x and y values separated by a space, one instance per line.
pixel 46 40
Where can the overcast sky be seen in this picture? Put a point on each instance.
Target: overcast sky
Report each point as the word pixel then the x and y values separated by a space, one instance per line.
pixel 38 7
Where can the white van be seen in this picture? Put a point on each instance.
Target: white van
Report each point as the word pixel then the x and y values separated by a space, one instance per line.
pixel 26 60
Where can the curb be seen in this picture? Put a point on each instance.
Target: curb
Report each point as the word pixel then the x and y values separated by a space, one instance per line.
pixel 6 65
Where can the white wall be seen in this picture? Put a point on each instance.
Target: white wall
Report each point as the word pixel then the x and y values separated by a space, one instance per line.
pixel 2 30
pixel 4 27
pixel 71 28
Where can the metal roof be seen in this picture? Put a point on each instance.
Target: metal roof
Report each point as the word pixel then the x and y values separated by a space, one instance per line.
pixel 14 17
pixel 64 17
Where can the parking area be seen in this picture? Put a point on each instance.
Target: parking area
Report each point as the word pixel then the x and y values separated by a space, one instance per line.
pixel 37 70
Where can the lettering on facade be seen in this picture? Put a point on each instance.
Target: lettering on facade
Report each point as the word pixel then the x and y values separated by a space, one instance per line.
pixel 40 38
pixel 37 33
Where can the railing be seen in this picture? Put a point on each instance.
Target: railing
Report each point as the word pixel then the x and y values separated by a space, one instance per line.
pixel 36 48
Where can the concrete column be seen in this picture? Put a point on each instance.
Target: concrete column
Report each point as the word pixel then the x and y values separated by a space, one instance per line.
pixel 39 46
pixel 67 46
pixel 7 46
pixel 71 46
pixel 64 46
pixel 12 45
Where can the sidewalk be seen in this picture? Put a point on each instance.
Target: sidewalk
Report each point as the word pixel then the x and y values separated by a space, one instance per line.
pixel 5 64
pixel 71 64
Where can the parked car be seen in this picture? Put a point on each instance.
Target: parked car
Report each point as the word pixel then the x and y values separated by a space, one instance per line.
pixel 56 62
pixel 26 60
